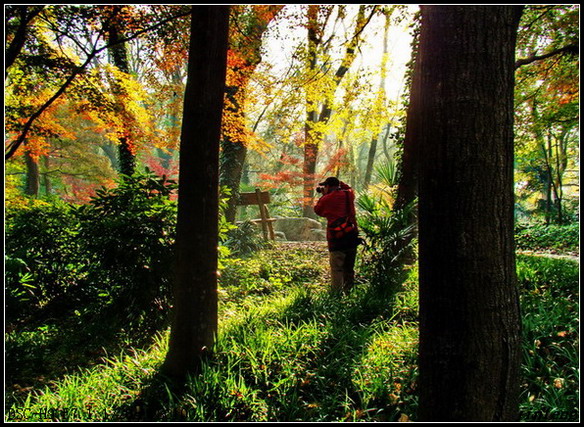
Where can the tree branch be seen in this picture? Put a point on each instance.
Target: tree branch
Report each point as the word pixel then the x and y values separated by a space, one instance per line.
pixel 571 49
pixel 16 143
pixel 17 43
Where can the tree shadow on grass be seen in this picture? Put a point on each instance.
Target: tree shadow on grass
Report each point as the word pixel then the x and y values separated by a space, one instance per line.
pixel 40 353
pixel 350 331
pixel 248 379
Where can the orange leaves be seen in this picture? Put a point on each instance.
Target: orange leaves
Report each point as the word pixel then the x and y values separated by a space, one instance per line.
pixel 338 160
pixel 234 125
pixel 279 179
pixel 48 125
pixel 248 25
pixel 265 13
pixel 237 67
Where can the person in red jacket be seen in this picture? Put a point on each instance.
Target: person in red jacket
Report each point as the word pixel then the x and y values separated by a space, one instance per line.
pixel 337 205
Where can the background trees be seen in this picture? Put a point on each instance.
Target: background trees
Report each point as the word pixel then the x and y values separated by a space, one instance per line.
pixel 61 102
pixel 547 108
pixel 125 90
pixel 61 74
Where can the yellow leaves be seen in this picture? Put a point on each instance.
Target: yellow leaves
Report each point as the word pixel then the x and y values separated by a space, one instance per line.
pixel 118 106
pixel 234 125
pixel 47 126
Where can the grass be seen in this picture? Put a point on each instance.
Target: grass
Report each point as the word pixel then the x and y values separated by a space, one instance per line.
pixel 550 304
pixel 289 351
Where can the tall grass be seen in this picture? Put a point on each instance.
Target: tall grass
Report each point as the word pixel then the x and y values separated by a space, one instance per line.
pixel 306 355
pixel 303 356
pixel 550 304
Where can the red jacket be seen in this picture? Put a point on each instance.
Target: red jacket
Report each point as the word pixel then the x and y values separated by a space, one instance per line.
pixel 333 206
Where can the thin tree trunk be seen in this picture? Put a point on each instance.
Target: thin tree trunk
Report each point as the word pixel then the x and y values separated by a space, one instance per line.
pixel 310 134
pixel 373 144
pixel 46 178
pixel 314 119
pixel 469 360
pixel 194 324
pixel 33 178
pixel 370 160
pixel 233 144
pixel 119 54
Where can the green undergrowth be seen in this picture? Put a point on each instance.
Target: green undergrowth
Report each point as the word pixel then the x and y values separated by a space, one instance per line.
pixel 304 356
pixel 288 350
pixel 551 339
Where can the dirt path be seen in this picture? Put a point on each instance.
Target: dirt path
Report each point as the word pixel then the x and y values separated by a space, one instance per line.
pixel 571 257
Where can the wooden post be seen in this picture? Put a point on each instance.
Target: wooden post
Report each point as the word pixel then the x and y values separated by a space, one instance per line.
pixel 263 215
pixel 260 198
pixel 267 228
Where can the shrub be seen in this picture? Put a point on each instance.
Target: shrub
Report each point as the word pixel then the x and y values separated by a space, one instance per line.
pixel 112 255
pixel 547 237
pixel 244 239
pixel 128 236
pixel 41 243
pixel 388 236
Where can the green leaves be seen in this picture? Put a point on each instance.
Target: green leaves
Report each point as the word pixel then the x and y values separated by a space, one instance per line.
pixel 116 253
pixel 388 234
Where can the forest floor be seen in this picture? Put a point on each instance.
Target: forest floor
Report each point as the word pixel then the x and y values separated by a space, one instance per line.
pixel 309 338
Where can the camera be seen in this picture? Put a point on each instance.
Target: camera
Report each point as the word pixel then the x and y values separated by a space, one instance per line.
pixel 320 189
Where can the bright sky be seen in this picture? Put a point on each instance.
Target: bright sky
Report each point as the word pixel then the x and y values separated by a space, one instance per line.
pixel 283 38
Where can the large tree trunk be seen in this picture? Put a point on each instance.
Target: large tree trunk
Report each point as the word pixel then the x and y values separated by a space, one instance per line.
pixel 407 189
pixel 469 313
pixel 194 323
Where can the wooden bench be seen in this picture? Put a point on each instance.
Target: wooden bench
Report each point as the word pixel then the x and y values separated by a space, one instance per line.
pixel 261 199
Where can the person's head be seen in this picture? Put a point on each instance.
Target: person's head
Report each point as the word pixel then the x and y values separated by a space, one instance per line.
pixel 329 184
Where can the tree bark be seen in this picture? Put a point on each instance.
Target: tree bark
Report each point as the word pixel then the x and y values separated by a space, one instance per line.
pixel 469 356
pixel 119 55
pixel 194 324
pixel 33 177
pixel 407 189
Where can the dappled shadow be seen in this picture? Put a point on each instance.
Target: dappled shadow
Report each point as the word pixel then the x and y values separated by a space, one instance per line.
pixel 319 374
pixel 149 405
pixel 348 320
pixel 40 353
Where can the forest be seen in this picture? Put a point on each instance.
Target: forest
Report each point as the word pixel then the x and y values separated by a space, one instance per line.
pixel 163 258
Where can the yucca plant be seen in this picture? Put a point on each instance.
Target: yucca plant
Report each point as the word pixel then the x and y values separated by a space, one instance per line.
pixel 387 237
pixel 388 232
